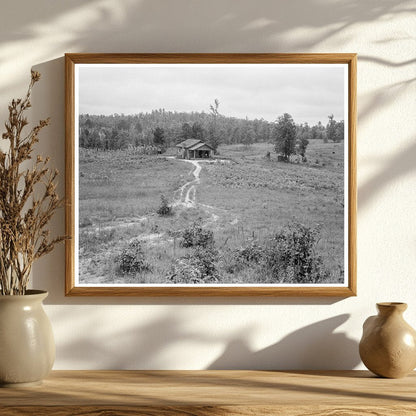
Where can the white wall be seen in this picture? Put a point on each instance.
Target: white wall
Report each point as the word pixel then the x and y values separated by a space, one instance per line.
pixel 198 333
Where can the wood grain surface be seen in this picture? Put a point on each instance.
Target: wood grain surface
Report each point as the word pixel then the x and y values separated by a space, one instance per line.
pixel 203 393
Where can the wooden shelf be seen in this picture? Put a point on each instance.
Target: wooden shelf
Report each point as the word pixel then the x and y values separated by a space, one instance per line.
pixel 202 393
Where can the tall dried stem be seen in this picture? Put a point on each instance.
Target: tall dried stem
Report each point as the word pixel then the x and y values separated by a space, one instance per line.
pixel 24 216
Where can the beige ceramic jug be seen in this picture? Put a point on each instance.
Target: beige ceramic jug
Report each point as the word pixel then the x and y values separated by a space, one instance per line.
pixel 27 347
pixel 388 344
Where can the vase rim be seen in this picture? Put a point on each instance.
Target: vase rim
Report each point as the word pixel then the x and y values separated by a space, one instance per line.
pixel 30 293
pixel 400 306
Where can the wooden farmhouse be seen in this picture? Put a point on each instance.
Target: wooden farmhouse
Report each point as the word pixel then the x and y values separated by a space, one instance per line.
pixel 194 149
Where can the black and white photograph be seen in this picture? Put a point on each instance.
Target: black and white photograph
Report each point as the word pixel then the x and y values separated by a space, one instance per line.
pixel 211 174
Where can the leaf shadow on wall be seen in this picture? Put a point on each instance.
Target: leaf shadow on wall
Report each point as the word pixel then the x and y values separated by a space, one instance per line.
pixel 131 26
pixel 148 23
pixel 117 348
pixel 403 162
pixel 315 346
pixel 382 98
pixel 396 167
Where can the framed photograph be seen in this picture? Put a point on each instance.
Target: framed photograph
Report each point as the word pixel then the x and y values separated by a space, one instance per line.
pixel 210 174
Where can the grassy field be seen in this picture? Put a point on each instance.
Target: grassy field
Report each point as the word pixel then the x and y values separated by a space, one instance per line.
pixel 241 200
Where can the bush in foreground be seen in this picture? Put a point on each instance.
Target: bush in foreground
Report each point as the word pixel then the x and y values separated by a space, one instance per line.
pixel 132 259
pixel 234 261
pixel 287 256
pixel 290 256
pixel 198 266
pixel 196 236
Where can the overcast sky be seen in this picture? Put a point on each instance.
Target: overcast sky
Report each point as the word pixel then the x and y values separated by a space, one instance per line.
pixel 308 92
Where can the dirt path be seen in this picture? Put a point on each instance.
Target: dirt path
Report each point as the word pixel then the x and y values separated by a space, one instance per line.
pixel 116 224
pixel 187 192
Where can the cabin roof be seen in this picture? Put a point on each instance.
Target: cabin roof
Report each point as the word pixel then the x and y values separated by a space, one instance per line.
pixel 193 144
pixel 188 143
pixel 199 145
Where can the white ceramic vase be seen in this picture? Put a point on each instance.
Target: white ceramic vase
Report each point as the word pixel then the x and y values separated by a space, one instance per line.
pixel 27 347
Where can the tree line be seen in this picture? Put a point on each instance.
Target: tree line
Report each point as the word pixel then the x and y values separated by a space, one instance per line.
pixel 162 129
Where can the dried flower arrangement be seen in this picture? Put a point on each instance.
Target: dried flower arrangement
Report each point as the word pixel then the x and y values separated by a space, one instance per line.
pixel 28 199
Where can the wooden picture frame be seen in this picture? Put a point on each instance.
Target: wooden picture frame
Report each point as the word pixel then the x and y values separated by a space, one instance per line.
pixel 74 114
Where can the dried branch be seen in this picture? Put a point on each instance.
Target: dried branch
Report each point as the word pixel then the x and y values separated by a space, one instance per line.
pixel 23 218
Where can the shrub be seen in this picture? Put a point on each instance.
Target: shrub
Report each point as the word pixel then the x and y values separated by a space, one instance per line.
pixel 196 267
pixel 290 256
pixel 132 259
pixel 252 253
pixel 229 261
pixel 196 236
pixel 165 209
pixel 234 261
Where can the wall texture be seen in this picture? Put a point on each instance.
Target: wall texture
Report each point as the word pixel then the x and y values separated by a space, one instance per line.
pixel 196 333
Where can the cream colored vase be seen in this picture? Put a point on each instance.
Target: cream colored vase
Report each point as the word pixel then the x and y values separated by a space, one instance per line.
pixel 27 347
pixel 388 344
